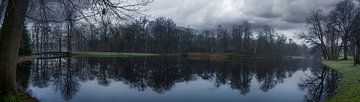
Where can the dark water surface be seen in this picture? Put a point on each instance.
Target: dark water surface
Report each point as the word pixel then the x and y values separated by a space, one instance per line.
pixel 174 79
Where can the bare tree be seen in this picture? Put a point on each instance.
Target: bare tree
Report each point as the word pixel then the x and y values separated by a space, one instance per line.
pixel 70 13
pixel 344 16
pixel 333 38
pixel 247 37
pixel 355 34
pixel 17 10
pixel 316 35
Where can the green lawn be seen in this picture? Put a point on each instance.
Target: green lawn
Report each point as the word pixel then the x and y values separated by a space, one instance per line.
pixel 112 54
pixel 349 88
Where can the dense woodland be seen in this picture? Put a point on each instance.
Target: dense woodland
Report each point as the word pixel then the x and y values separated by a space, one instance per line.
pixel 162 35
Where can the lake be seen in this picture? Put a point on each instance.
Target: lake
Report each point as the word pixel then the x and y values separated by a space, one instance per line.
pixel 176 79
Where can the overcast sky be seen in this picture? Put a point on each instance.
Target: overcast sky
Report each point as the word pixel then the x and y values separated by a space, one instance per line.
pixel 287 16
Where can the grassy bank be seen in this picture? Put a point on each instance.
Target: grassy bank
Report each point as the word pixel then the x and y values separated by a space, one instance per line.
pixel 349 88
pixel 222 56
pixel 112 54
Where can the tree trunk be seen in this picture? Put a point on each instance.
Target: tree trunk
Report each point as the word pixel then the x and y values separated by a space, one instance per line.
pixel 69 36
pixel 325 54
pixel 345 50
pixel 10 43
pixel 356 53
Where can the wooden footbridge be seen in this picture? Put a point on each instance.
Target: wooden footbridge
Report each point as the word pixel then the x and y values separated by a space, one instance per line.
pixel 43 55
pixel 51 55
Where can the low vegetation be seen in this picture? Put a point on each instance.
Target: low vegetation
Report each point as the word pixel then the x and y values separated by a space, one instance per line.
pixel 19 97
pixel 12 98
pixel 348 90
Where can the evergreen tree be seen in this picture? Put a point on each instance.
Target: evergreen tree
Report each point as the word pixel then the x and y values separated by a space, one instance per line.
pixel 25 47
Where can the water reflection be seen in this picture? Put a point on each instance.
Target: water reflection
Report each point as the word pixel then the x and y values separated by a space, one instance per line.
pixel 160 74
pixel 321 83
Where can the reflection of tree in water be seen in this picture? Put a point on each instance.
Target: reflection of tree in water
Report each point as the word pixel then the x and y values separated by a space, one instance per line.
pixel 40 73
pixel 321 83
pixel 69 83
pixel 159 73
pixel 103 75
pixel 58 71
pixel 240 79
pixel 271 74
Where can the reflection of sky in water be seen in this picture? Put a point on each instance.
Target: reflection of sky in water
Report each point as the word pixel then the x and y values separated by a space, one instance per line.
pixel 171 79
pixel 196 91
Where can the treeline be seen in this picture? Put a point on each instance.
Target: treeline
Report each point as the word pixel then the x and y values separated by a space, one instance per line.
pixel 162 35
pixel 336 33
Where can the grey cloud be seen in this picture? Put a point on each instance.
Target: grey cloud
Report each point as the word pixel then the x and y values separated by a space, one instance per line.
pixel 284 15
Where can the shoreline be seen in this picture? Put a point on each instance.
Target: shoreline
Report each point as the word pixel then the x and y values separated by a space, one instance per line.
pixel 348 89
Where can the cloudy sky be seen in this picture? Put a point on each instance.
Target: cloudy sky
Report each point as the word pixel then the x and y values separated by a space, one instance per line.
pixel 287 16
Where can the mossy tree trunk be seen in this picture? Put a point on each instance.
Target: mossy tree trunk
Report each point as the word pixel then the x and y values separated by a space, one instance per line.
pixel 9 44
